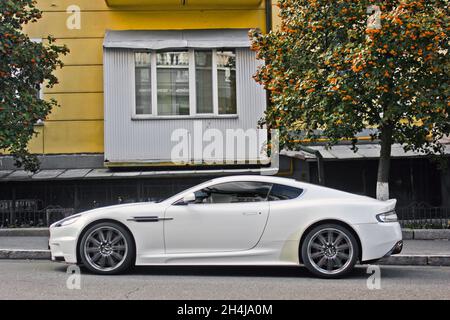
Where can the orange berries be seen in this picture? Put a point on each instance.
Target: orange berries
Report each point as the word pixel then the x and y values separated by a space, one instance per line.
pixel 372 31
pixel 332 80
pixel 356 68
pixel 347 98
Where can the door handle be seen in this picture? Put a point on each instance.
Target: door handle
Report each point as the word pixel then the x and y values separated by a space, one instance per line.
pixel 250 213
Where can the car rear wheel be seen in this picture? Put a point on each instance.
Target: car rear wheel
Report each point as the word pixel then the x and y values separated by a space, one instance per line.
pixel 107 248
pixel 329 251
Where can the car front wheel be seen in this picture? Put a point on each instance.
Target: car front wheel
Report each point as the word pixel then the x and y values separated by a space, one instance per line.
pixel 107 248
pixel 329 251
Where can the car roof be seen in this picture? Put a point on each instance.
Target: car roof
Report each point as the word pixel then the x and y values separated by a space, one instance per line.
pixel 318 190
pixel 258 178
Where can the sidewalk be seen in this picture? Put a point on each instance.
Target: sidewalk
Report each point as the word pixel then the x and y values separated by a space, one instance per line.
pixel 426 247
pixel 25 243
pixel 35 248
pixel 415 252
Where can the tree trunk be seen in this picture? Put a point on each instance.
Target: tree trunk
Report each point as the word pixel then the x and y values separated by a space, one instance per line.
pixel 384 163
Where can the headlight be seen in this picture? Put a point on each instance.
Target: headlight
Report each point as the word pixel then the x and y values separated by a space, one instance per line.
pixel 390 216
pixel 68 220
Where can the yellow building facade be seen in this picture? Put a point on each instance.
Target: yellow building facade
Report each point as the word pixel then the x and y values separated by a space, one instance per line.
pixel 77 126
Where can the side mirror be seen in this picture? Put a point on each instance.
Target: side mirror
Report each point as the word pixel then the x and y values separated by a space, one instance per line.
pixel 189 198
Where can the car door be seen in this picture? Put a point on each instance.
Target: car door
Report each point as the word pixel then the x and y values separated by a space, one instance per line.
pixel 229 216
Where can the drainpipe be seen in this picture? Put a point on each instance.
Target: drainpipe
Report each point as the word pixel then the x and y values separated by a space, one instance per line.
pixel 320 167
pixel 268 6
pixel 268 16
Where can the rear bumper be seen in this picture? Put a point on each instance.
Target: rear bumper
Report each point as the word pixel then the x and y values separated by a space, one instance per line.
pixel 379 239
pixel 396 249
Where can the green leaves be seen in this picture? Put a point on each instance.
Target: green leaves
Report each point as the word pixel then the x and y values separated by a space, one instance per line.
pixel 327 69
pixel 24 67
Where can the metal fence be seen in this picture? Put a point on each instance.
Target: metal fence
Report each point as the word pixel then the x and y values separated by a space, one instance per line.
pixel 30 213
pixel 421 215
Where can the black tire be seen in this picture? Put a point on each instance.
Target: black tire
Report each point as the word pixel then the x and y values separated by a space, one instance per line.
pixel 334 254
pixel 88 253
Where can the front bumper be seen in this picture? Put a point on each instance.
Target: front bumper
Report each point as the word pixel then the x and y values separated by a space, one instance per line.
pixel 63 244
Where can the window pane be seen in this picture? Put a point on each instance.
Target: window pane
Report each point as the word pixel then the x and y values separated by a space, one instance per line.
pixel 173 83
pixel 233 192
pixel 226 78
pixel 203 74
pixel 282 192
pixel 143 83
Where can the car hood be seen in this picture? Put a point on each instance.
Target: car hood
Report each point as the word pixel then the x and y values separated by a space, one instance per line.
pixel 119 206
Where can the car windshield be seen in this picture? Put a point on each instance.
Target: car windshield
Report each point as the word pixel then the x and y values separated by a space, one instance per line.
pixel 178 195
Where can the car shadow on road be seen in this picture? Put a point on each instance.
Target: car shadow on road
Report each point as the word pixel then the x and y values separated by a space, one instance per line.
pixel 359 272
pixel 235 271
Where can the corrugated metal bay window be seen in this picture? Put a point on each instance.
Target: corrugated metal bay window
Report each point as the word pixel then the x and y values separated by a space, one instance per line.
pixel 159 81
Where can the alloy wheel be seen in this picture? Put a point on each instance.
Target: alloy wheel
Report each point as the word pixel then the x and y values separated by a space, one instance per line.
pixel 330 251
pixel 105 248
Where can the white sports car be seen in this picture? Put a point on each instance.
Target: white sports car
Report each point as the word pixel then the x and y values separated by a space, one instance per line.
pixel 238 220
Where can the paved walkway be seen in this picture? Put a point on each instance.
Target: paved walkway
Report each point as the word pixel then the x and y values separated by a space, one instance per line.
pixel 411 247
pixel 428 247
pixel 24 243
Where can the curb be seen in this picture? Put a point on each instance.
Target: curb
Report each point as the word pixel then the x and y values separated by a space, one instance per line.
pixel 25 232
pixel 16 254
pixel 432 234
pixel 416 260
pixel 426 234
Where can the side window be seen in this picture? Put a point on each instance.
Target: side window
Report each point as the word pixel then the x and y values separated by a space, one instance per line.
pixel 282 192
pixel 234 192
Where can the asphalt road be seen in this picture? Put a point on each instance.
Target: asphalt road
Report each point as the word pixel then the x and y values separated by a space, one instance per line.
pixel 47 280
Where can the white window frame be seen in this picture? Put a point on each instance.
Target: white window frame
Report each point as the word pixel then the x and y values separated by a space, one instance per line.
pixel 192 89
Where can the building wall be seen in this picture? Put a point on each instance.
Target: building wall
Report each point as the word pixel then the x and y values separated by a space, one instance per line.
pixel 77 126
pixel 276 20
